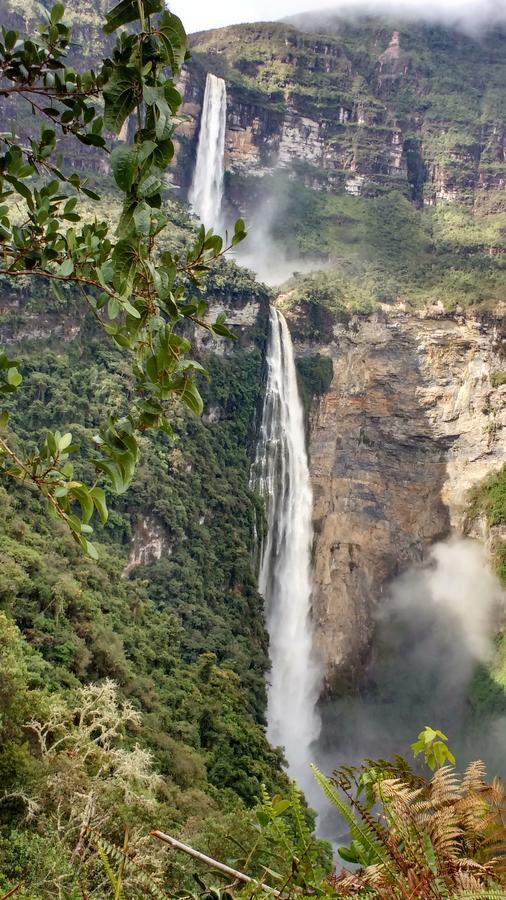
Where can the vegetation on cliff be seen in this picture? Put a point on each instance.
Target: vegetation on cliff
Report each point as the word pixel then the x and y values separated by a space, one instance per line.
pixel 182 639
pixel 488 499
pixel 385 250
pixel 133 696
pixel 138 291
pixel 127 702
pixel 391 164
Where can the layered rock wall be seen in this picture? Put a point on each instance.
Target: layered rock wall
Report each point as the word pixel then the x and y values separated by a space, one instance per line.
pixel 352 111
pixel 410 422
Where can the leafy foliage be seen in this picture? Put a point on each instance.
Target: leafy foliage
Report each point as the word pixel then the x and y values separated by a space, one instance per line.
pixel 137 292
pixel 162 634
pixel 488 693
pixel 411 836
pixel 432 744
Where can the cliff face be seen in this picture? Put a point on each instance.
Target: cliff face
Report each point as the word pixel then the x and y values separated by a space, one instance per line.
pixel 409 423
pixel 358 107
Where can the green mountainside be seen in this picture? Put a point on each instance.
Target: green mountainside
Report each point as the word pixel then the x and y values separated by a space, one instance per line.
pixel 385 161
pixel 177 644
pixel 182 638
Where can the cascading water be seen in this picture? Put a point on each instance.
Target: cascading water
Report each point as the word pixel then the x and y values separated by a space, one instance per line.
pixel 206 192
pixel 281 475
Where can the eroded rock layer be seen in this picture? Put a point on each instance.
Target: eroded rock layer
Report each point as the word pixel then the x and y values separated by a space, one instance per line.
pixel 410 422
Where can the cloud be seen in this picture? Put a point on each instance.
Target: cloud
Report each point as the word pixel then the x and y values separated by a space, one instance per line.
pixel 201 15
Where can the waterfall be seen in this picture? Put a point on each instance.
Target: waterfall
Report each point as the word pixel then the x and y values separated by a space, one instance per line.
pixel 207 187
pixel 281 475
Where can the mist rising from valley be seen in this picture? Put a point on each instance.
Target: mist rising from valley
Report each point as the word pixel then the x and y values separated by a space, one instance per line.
pixel 433 630
pixel 263 253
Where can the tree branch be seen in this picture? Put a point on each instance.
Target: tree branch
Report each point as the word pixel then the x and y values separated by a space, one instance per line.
pixel 214 863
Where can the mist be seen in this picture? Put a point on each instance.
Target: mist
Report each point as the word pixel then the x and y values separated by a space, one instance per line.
pixel 471 16
pixel 262 252
pixel 468 14
pixel 433 629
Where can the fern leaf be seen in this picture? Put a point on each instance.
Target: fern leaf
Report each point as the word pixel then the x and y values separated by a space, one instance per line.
pixel 363 831
pixel 108 870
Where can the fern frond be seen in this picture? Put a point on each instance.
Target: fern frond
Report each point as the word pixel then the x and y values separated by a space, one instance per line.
pixel 473 779
pixel 362 830
pixel 444 786
pixel 481 894
pixel 113 881
pixel 301 825
pixel 107 850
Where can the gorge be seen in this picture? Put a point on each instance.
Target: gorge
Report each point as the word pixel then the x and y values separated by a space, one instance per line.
pixel 409 421
pixel 309 563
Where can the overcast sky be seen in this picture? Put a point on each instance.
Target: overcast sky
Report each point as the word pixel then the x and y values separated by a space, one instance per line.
pixel 198 15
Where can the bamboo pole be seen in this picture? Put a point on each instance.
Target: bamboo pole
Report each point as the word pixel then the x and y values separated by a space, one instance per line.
pixel 213 863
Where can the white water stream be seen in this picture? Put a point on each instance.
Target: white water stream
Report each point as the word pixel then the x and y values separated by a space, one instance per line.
pixel 281 475
pixel 206 192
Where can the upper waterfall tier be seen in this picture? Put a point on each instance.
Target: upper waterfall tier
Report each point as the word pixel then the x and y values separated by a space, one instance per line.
pixel 281 475
pixel 207 187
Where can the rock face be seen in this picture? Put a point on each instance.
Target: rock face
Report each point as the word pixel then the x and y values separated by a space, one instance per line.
pixel 355 107
pixel 410 422
pixel 149 543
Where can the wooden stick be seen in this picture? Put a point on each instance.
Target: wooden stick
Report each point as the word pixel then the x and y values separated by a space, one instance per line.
pixel 213 863
pixel 12 891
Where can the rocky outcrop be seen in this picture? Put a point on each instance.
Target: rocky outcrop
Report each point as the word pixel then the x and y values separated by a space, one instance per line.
pixel 409 423
pixel 149 543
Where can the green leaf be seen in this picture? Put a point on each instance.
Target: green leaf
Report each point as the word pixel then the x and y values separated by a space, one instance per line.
pixel 14 378
pixel 91 140
pixel 65 441
pixel 98 496
pixel 142 219
pixel 173 40
pixel 348 855
pixel 21 188
pixel 124 257
pixel 131 310
pixel 81 494
pixel 57 13
pixel 189 395
pixel 150 185
pixel 66 268
pixel 152 93
pixel 124 166
pixel 430 855
pixel 113 472
pixel 91 194
pixel 128 11
pixel 223 331
pixel 90 548
pixel 120 96
pixel 281 806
